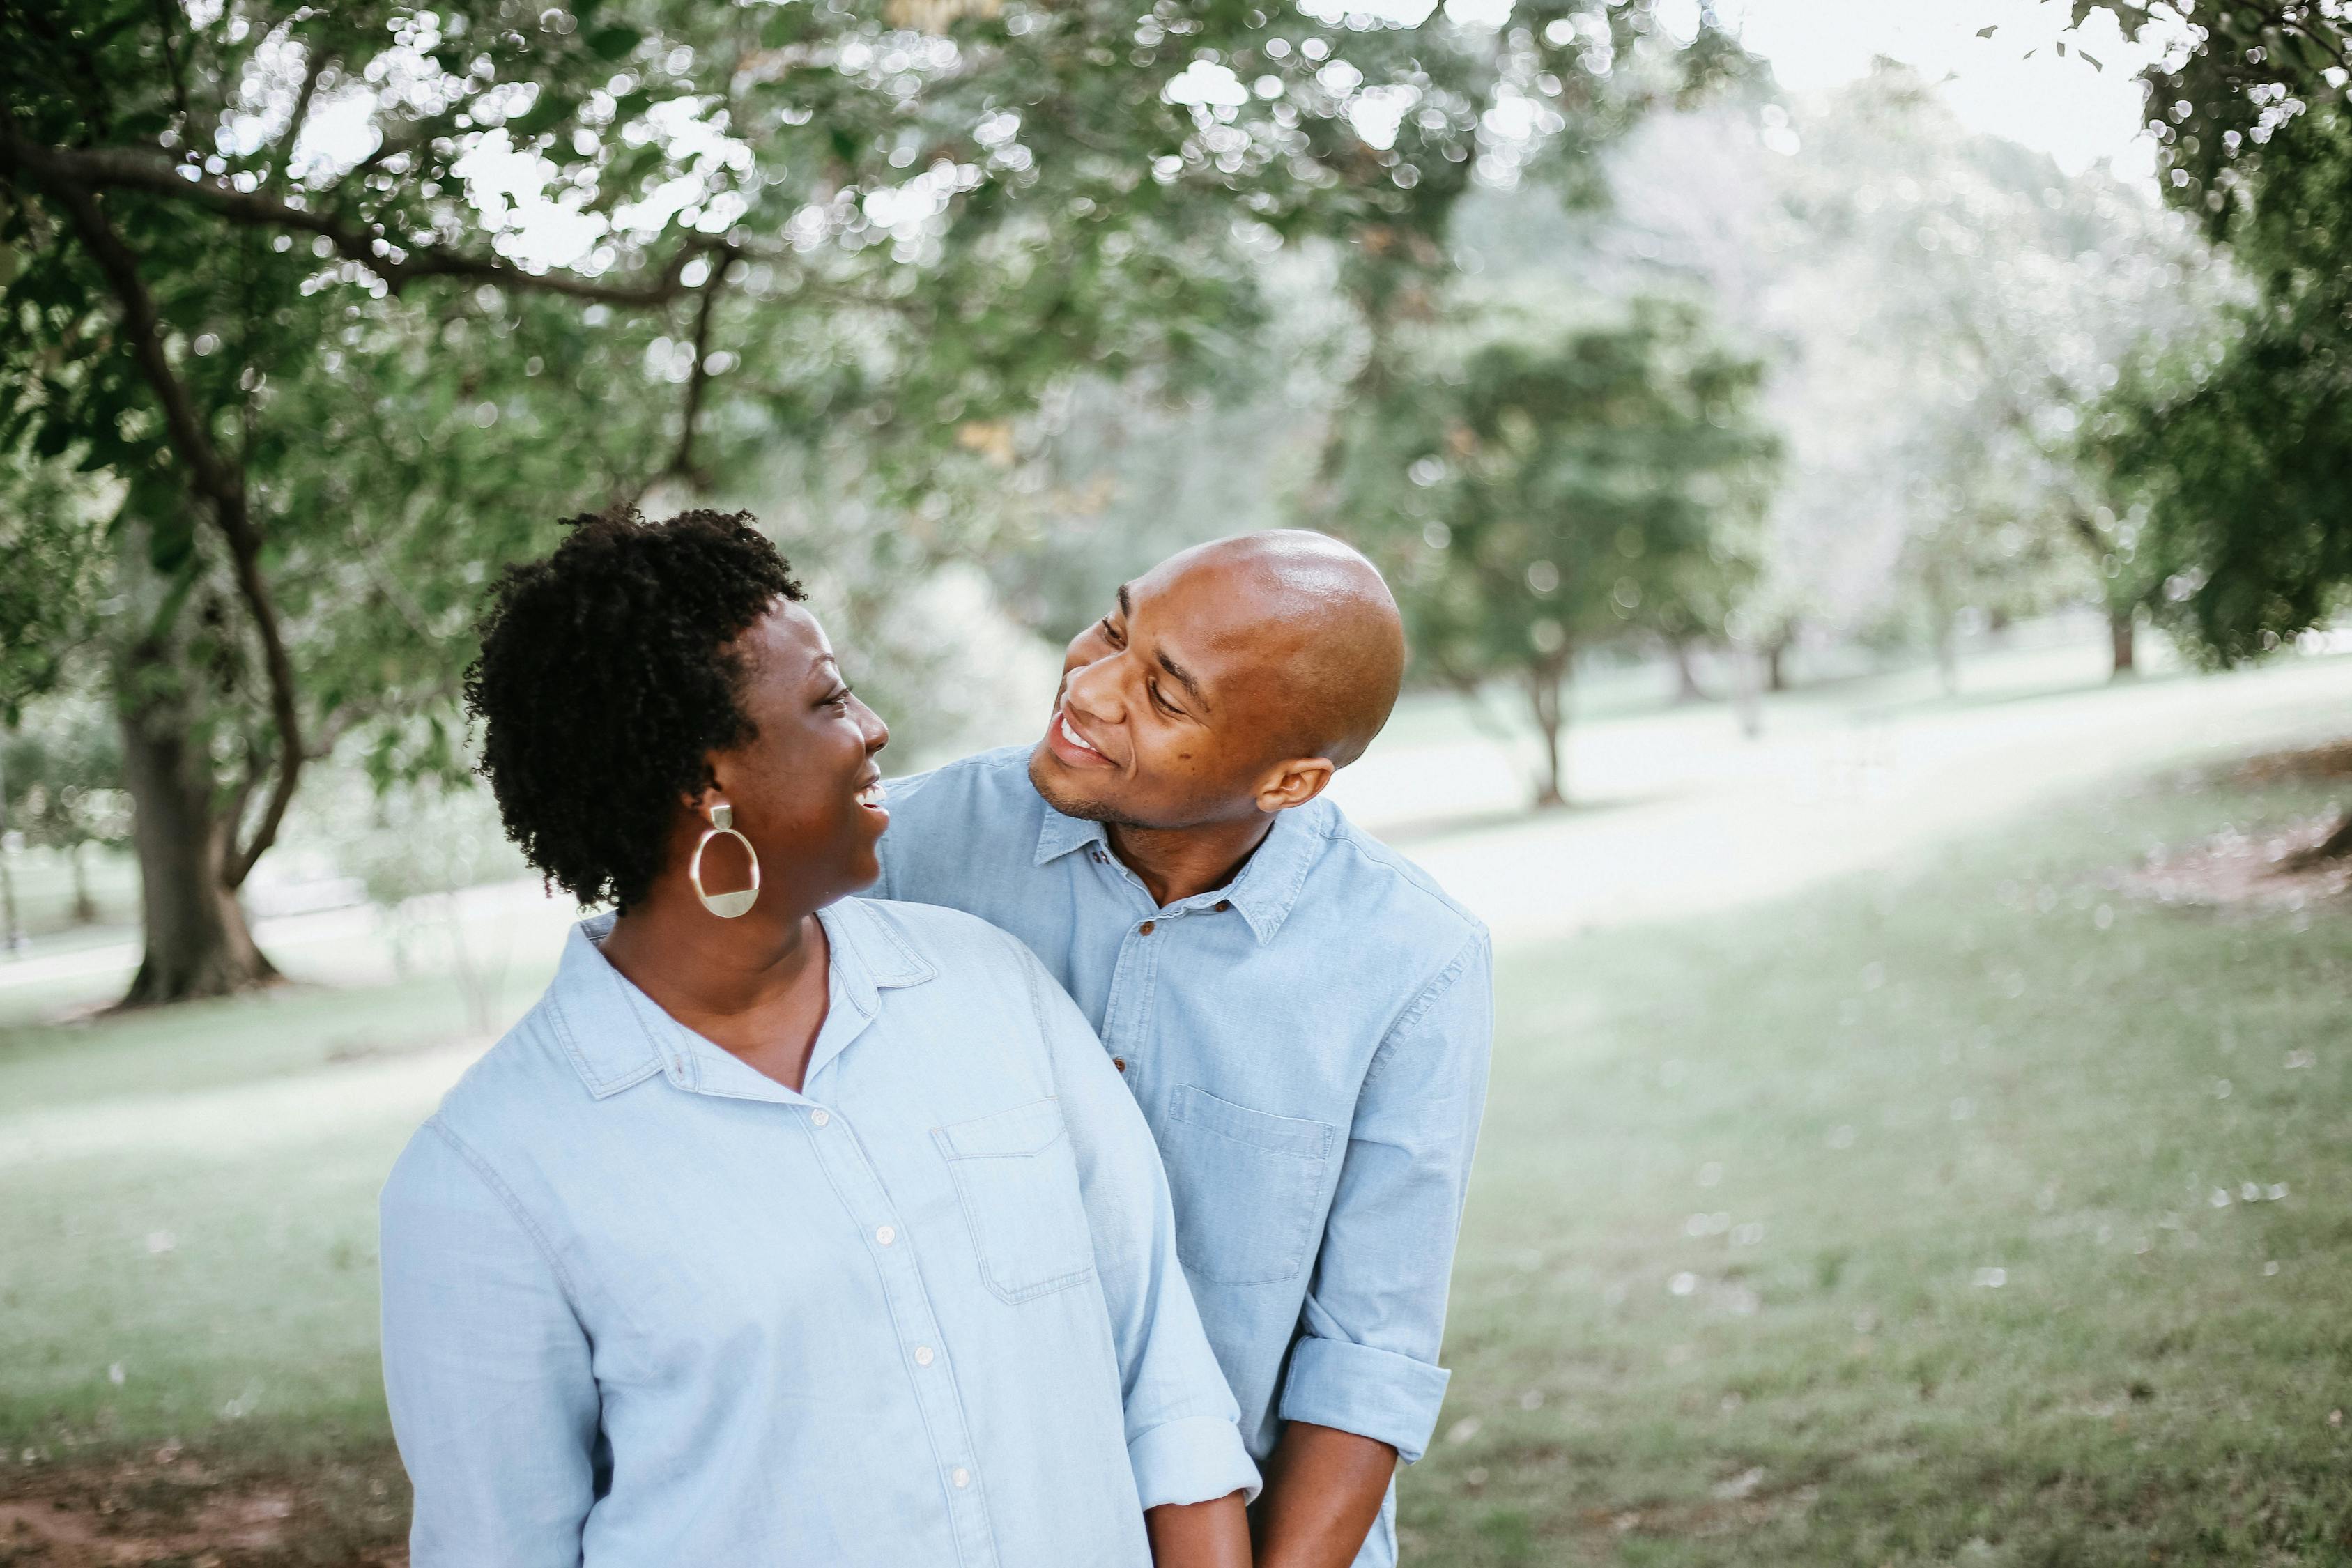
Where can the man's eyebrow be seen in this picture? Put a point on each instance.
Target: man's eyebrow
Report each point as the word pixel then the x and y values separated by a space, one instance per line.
pixel 1191 685
pixel 1126 603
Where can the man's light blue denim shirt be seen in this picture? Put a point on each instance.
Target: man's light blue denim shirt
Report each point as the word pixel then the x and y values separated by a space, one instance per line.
pixel 644 1305
pixel 1309 1045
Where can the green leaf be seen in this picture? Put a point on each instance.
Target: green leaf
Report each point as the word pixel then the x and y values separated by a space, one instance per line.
pixel 612 43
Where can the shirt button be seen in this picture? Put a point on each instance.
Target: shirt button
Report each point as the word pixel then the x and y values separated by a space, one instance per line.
pixel 1223 905
pixel 821 1118
pixel 923 1355
pixel 885 1236
pixel 1118 1062
pixel 1145 929
pixel 960 1476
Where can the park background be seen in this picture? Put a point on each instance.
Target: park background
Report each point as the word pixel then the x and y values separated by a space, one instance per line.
pixel 1868 484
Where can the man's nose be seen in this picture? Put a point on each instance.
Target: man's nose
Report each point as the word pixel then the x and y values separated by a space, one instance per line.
pixel 1093 690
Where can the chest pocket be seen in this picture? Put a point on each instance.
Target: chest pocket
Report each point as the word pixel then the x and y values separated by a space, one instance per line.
pixel 1019 1185
pixel 1246 1186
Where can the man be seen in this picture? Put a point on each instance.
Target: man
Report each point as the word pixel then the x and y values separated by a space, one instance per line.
pixel 1302 1016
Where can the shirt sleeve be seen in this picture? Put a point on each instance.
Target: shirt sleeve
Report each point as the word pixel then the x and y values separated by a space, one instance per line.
pixel 486 1368
pixel 1366 1361
pixel 1183 1427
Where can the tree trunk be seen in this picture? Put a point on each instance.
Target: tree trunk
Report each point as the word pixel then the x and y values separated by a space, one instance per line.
pixel 1776 669
pixel 2336 846
pixel 1547 684
pixel 1686 687
pixel 2122 639
pixel 197 940
pixel 1948 655
pixel 85 908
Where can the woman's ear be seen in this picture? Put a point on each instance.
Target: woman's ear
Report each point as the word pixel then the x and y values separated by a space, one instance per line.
pixel 1295 782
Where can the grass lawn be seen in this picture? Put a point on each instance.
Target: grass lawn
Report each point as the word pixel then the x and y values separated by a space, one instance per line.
pixel 1978 1215
pixel 1987 1213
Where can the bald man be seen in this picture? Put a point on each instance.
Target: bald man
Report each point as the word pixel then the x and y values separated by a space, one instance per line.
pixel 1302 1017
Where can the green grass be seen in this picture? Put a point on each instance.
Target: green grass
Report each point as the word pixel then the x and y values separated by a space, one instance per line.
pixel 1823 1120
pixel 1723 1296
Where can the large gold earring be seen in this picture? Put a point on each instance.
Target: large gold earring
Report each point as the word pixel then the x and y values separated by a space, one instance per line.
pixel 725 906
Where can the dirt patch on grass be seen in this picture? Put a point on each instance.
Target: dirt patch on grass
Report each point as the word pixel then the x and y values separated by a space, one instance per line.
pixel 2234 869
pixel 2332 761
pixel 167 1508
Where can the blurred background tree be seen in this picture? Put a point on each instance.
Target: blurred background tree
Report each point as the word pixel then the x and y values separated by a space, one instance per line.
pixel 2244 450
pixel 1532 499
pixel 62 779
pixel 337 308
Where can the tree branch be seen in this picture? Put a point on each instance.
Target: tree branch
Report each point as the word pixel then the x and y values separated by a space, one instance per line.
pixel 682 465
pixel 121 168
pixel 218 483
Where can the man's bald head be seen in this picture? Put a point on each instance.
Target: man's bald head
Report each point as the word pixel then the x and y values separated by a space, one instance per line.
pixel 1324 641
pixel 1233 678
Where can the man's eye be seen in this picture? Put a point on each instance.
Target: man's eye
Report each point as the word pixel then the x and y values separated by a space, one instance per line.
pixel 1110 632
pixel 1162 703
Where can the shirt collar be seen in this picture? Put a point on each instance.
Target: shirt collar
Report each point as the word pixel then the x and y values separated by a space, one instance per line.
pixel 1269 881
pixel 618 1036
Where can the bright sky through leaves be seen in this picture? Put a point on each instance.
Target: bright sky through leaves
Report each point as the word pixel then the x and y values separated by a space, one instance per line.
pixel 2077 107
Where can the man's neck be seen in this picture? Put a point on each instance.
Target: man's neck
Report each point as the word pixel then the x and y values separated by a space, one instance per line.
pixel 1176 863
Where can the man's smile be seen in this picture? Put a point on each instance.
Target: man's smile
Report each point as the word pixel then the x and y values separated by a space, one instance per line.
pixel 1062 737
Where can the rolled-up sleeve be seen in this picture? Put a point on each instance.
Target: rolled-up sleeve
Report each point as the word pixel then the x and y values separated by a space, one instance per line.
pixel 1183 1432
pixel 486 1369
pixel 1375 1314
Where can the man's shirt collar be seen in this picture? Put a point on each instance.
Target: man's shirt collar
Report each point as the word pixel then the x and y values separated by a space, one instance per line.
pixel 1264 892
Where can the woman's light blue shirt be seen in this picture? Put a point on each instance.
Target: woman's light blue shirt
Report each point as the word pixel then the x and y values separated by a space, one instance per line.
pixel 645 1306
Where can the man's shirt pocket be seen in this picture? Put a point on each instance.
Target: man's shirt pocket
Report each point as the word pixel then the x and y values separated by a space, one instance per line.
pixel 1019 1185
pixel 1247 1185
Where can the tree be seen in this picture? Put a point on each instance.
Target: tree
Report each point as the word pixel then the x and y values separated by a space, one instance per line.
pixel 1547 493
pixel 63 789
pixel 2244 451
pixel 346 302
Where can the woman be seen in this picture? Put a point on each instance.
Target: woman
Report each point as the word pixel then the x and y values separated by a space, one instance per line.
pixel 787 1229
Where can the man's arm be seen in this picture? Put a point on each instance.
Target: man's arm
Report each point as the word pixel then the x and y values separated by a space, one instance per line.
pixel 1323 1490
pixel 1364 1385
pixel 493 1401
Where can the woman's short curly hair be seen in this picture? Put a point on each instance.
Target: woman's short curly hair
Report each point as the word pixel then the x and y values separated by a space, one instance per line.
pixel 605 680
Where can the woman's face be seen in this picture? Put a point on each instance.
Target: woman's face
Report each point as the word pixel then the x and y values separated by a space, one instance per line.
pixel 805 788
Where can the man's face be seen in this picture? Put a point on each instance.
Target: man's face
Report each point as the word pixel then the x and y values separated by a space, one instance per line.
pixel 1167 711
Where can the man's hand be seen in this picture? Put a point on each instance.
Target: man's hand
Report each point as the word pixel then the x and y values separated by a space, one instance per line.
pixel 1323 1490
pixel 1200 1534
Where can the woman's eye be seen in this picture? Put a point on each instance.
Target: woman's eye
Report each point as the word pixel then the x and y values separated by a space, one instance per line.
pixel 840 699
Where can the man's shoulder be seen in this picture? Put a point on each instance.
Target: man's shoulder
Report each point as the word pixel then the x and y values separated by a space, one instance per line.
pixel 1378 881
pixel 997 779
pixel 939 938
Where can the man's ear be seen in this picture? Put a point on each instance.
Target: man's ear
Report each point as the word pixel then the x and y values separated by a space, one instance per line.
pixel 1295 782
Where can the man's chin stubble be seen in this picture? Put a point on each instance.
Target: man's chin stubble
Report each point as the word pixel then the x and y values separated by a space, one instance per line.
pixel 1071 805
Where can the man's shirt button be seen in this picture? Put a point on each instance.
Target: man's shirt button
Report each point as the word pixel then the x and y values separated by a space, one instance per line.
pixel 1145 929
pixel 821 1118
pixel 1222 905
pixel 885 1236
pixel 960 1476
pixel 923 1355
pixel 1118 1062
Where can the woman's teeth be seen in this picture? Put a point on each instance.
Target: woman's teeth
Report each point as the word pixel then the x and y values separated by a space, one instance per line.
pixel 872 794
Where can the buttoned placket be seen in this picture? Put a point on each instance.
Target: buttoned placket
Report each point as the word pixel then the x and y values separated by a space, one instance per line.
pixel 860 1188
pixel 706 1069
pixel 1126 1010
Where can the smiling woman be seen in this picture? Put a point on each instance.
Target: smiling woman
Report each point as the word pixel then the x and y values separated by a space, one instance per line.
pixel 787 1228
